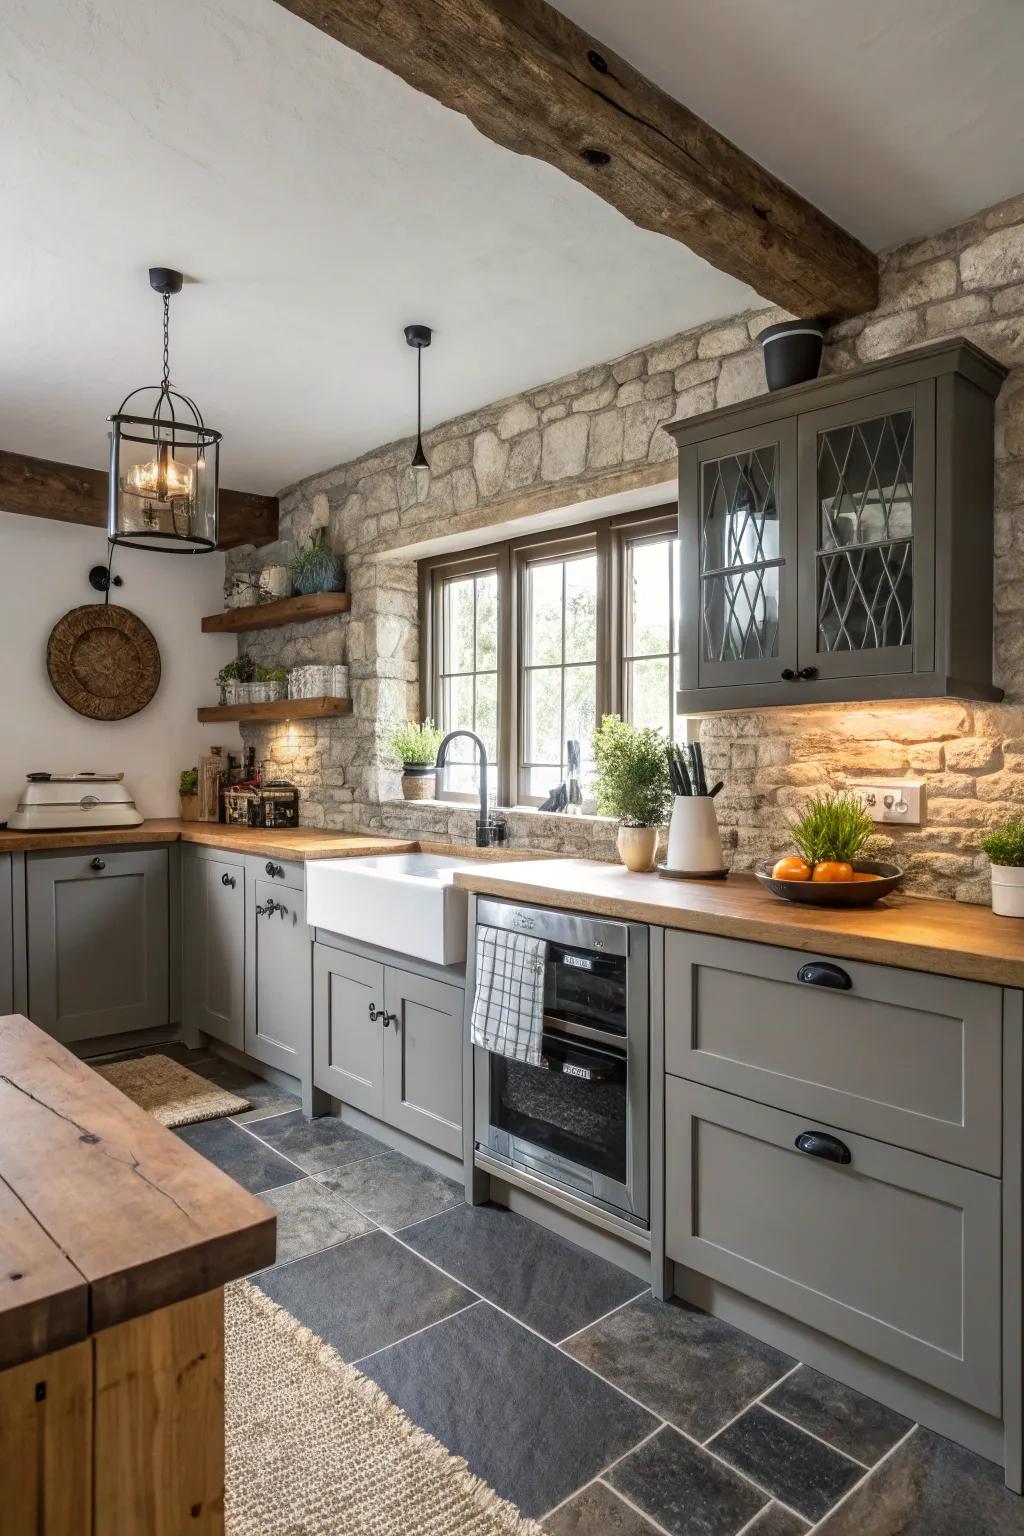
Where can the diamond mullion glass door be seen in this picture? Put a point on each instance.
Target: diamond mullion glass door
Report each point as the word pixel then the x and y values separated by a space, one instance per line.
pixel 866 534
pixel 742 558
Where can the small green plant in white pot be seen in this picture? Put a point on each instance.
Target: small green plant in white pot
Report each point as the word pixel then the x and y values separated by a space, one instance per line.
pixel 415 746
pixel 633 784
pixel 1005 849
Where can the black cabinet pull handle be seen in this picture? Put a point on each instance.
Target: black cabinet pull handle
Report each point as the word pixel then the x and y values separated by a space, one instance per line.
pixel 822 973
pixel 382 1014
pixel 787 674
pixel 807 673
pixel 261 911
pixel 274 870
pixel 228 880
pixel 820 1144
pixel 97 863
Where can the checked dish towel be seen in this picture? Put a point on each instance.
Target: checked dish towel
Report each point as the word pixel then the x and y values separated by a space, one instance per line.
pixel 508 1003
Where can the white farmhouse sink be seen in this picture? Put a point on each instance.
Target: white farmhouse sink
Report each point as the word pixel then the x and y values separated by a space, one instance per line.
pixel 401 901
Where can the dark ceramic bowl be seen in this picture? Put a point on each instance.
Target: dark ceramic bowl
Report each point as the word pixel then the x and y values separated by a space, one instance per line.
pixel 835 893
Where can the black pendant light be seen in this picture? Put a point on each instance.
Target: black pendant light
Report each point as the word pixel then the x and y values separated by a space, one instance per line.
pixel 164 465
pixel 419 336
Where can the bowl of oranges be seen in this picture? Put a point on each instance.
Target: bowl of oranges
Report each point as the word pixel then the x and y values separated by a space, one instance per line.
pixel 827 870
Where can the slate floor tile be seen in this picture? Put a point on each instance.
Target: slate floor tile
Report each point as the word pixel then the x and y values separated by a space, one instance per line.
pixel 851 1422
pixel 394 1191
pixel 363 1294
pixel 930 1487
pixel 776 1521
pixel 692 1369
pixel 684 1489
pixel 799 1470
pixel 597 1511
pixel 319 1146
pixel 258 1090
pixel 530 1421
pixel 310 1217
pixel 247 1160
pixel 542 1279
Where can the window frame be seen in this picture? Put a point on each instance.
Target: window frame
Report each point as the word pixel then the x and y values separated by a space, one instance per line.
pixel 609 538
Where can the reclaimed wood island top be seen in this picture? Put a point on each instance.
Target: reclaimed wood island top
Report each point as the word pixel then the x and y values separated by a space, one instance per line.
pixel 945 938
pixel 104 1214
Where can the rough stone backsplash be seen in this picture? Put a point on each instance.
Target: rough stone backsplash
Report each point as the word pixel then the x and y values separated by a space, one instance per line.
pixel 597 431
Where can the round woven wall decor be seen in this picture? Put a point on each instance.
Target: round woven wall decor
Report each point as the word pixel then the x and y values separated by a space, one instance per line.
pixel 103 661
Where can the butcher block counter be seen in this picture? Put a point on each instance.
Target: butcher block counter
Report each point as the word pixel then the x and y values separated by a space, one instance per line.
pixel 116 1240
pixel 946 938
pixel 299 843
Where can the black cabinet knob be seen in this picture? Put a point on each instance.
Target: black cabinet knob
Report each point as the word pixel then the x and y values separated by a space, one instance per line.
pixel 807 673
pixel 822 973
pixel 787 674
pixel 820 1144
pixel 97 864
pixel 228 880
pixel 275 871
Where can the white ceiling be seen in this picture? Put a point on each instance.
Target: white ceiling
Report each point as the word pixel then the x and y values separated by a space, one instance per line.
pixel 320 205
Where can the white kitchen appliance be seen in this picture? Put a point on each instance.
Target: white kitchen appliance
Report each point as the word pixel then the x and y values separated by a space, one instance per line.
pixel 60 802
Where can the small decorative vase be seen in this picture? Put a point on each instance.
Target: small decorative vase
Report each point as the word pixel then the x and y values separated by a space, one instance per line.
pixel 189 807
pixel 275 581
pixel 339 681
pixel 418 780
pixel 1007 890
pixel 275 690
pixel 637 847
pixel 792 352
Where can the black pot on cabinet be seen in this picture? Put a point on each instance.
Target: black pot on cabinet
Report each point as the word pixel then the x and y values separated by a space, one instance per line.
pixel 792 352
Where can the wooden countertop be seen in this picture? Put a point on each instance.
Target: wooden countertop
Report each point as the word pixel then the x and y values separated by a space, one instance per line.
pixel 946 938
pixel 302 843
pixel 104 1214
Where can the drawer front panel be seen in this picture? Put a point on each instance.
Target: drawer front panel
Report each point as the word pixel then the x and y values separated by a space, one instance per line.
pixel 895 1254
pixel 281 872
pixel 909 1058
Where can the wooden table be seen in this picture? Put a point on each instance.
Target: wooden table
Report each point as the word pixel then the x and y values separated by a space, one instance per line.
pixel 116 1241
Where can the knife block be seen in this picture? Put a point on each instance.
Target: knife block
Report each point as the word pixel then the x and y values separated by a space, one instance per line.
pixel 694 842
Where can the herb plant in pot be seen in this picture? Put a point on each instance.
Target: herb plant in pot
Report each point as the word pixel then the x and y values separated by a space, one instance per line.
pixel 1005 849
pixel 188 794
pixel 316 568
pixel 415 746
pixel 632 784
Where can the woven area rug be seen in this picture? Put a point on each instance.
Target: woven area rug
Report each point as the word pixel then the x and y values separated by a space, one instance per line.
pixel 314 1448
pixel 170 1092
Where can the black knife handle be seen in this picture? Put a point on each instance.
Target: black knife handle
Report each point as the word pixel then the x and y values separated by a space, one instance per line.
pixel 822 973
pixel 820 1144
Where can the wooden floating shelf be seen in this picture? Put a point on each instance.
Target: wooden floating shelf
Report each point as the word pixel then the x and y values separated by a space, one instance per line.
pixel 279 709
pixel 286 610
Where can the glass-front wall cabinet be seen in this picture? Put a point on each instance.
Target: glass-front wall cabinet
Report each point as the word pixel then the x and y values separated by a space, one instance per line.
pixel 839 544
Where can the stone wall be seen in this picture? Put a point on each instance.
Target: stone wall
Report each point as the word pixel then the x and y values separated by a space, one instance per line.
pixel 596 432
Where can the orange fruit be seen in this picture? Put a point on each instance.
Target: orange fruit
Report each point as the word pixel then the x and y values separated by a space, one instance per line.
pixel 832 870
pixel 863 874
pixel 792 868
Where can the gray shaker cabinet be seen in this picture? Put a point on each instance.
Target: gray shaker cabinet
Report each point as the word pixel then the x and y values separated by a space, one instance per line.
pixel 6 934
pixel 836 538
pixel 213 984
pixel 389 1042
pixel 98 941
pixel 278 975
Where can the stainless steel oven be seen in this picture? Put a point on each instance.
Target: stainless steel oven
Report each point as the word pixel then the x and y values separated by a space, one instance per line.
pixel 579 1121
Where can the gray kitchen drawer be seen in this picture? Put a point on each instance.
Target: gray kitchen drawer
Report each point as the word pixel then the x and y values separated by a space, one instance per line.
pixel 895 1254
pixel 909 1058
pixel 283 872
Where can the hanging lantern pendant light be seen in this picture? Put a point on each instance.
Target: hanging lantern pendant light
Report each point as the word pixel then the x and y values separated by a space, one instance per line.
pixel 164 466
pixel 419 336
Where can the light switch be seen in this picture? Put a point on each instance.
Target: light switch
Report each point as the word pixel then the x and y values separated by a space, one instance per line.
pixel 893 801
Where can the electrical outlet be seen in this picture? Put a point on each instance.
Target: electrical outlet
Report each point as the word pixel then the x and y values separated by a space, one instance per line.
pixel 896 802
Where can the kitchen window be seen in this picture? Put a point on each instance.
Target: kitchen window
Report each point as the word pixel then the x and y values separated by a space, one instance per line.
pixel 529 643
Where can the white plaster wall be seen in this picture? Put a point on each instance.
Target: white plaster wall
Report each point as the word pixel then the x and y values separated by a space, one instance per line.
pixel 44 569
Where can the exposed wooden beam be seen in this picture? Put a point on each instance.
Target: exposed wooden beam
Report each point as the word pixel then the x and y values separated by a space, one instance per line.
pixel 71 494
pixel 531 80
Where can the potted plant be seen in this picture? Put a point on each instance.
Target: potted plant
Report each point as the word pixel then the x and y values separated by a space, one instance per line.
pixel 415 746
pixel 1005 849
pixel 268 684
pixel 315 567
pixel 633 784
pixel 188 794
pixel 234 679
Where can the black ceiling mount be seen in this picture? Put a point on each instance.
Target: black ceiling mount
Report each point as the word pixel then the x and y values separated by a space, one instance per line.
pixel 165 280
pixel 101 579
pixel 418 335
pixel 595 156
